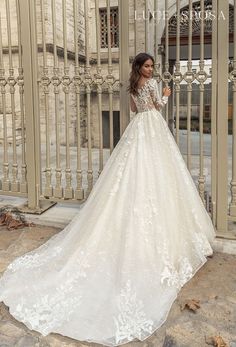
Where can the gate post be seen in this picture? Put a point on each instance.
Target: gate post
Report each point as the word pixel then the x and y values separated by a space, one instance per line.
pixel 124 63
pixel 222 118
pixel 214 117
pixel 29 60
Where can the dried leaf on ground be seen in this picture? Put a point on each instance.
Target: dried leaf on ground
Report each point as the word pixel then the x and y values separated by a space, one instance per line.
pixel 216 341
pixel 192 305
pixel 2 219
pixel 12 218
pixel 14 224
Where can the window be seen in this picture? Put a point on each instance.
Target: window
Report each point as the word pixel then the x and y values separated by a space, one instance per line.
pixel 114 25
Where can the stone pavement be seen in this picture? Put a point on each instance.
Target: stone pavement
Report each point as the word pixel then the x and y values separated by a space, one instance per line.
pixel 214 286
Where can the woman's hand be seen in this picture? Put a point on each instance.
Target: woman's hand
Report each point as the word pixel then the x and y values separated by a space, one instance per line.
pixel 166 91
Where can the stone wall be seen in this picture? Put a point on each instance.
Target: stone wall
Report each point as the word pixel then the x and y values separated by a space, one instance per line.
pixel 49 64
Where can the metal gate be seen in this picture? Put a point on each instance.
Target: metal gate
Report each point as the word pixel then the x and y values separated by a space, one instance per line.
pixel 64 67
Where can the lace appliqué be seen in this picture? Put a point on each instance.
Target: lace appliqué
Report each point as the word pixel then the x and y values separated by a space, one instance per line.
pixel 148 97
pixel 132 320
pixel 201 243
pixel 178 274
pixel 30 261
pixel 174 277
pixel 46 313
pixel 48 310
pixel 145 222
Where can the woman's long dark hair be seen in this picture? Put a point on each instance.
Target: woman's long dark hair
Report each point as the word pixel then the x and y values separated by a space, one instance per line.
pixel 135 73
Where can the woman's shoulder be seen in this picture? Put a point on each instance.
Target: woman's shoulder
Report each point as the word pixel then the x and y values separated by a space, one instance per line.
pixel 149 82
pixel 152 81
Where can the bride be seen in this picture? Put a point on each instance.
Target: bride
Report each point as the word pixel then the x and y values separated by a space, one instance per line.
pixel 112 274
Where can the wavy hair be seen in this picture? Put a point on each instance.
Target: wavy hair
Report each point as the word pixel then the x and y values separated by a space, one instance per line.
pixel 135 73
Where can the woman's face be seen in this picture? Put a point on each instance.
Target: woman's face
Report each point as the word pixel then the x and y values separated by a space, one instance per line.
pixel 147 68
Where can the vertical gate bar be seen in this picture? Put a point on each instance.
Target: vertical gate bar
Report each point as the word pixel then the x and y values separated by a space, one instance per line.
pixel 110 76
pixel 146 27
pixel 19 35
pixel 1 44
pixel 190 79
pixel 20 82
pixel 214 115
pixel 166 68
pixel 45 82
pixel 124 62
pixel 12 82
pixel 135 27
pixel 157 65
pixel 3 82
pixel 29 60
pixel 79 192
pixel 88 81
pixel 42 9
pixel 232 207
pixel 166 36
pixel 38 147
pixel 66 81
pixel 222 119
pixel 177 65
pixel 201 79
pixel 155 33
pixel 58 190
pixel 99 86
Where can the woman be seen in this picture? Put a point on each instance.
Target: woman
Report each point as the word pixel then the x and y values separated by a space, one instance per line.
pixel 113 273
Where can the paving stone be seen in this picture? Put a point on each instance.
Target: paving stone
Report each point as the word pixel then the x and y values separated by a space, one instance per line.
pixel 8 340
pixel 7 237
pixel 56 340
pixel 4 313
pixel 182 335
pixel 169 342
pixel 4 341
pixel 43 343
pixel 9 329
pixel 27 341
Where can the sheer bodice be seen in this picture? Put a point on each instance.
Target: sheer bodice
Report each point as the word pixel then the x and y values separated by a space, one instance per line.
pixel 148 97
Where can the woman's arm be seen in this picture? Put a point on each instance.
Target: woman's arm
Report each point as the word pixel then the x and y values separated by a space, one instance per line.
pixel 155 95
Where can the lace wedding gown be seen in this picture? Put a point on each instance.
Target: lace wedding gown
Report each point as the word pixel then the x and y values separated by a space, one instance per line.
pixel 113 273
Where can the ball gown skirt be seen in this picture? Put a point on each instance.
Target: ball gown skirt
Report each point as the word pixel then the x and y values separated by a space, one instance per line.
pixel 113 273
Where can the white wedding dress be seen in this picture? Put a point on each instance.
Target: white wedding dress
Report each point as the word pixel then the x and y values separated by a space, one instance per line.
pixel 113 273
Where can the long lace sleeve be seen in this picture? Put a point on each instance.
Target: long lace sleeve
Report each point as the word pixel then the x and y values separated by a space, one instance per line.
pixel 155 95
